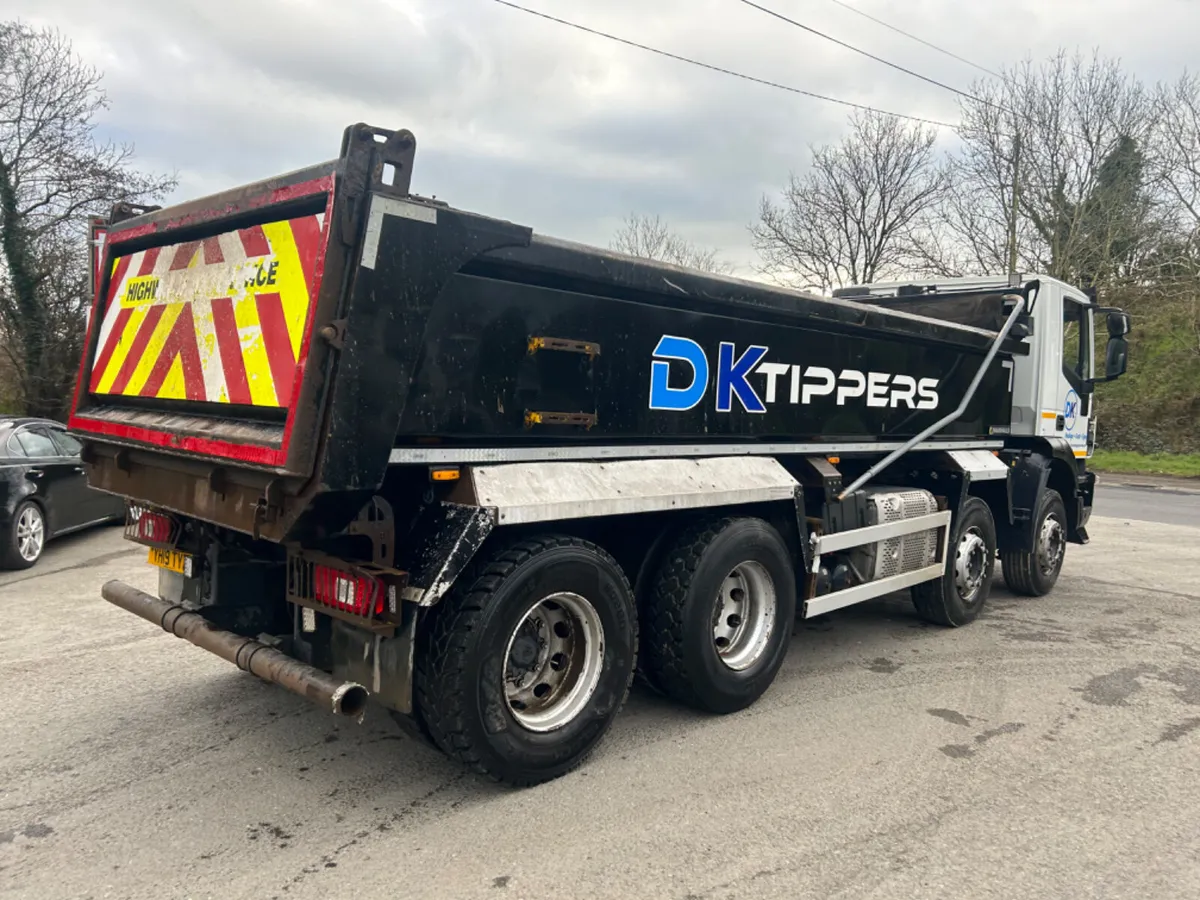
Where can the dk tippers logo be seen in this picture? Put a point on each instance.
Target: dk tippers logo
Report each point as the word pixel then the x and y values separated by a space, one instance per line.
pixel 801 384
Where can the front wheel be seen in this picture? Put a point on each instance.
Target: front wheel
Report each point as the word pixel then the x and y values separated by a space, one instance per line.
pixel 520 673
pixel 1033 574
pixel 957 597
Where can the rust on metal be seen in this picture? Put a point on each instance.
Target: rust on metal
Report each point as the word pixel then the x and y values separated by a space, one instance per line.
pixel 536 417
pixel 343 698
pixel 589 349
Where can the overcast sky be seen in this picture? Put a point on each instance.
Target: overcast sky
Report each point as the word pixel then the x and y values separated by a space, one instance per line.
pixel 530 121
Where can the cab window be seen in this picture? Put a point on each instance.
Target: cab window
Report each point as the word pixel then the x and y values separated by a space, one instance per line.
pixel 1077 341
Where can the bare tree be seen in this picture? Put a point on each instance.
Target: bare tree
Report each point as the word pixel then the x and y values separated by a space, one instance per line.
pixel 651 238
pixel 856 215
pixel 53 173
pixel 1070 137
pixel 1177 138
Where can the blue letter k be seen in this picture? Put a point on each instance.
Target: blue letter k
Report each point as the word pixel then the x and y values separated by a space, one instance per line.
pixel 731 378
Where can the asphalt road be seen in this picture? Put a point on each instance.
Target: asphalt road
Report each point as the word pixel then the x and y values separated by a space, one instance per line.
pixel 1166 501
pixel 1052 749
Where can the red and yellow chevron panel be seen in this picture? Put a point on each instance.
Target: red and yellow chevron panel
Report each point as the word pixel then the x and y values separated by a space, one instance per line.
pixel 220 320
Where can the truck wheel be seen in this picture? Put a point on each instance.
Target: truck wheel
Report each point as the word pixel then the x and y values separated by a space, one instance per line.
pixel 719 618
pixel 958 596
pixel 1034 573
pixel 521 671
pixel 26 537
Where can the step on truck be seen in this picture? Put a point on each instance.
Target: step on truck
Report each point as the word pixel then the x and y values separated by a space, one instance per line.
pixel 383 450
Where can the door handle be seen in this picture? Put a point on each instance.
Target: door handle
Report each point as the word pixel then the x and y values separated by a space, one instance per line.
pixel 35 473
pixel 80 469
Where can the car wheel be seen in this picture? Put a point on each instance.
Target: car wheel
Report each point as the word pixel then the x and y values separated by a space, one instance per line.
pixel 26 537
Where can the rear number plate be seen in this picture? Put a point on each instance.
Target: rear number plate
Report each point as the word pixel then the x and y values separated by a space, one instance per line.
pixel 173 560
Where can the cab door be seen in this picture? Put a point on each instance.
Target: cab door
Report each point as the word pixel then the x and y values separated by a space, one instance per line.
pixel 1066 394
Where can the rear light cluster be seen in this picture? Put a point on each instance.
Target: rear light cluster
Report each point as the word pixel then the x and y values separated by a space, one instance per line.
pixel 322 582
pixel 147 526
pixel 362 595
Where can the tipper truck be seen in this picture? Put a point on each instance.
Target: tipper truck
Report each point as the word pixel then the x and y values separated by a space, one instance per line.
pixel 383 450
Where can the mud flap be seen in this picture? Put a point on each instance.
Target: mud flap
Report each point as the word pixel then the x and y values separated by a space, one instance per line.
pixel 447 538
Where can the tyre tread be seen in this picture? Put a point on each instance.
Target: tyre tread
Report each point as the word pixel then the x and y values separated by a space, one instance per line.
pixel 439 677
pixel 929 597
pixel 664 624
pixel 1018 565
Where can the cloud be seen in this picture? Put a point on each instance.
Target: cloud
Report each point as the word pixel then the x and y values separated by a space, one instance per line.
pixel 526 120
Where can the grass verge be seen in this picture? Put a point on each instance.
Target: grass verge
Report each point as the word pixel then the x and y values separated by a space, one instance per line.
pixel 1184 465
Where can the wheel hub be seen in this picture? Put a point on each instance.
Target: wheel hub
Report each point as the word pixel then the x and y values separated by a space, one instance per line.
pixel 30 534
pixel 970 564
pixel 553 661
pixel 1052 544
pixel 744 616
pixel 524 651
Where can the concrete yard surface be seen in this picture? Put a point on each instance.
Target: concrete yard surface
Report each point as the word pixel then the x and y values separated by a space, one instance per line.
pixel 1051 749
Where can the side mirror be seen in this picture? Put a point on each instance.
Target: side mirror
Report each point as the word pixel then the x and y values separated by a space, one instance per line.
pixel 1116 356
pixel 1118 326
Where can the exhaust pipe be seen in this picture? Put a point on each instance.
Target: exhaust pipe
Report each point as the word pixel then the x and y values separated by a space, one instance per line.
pixel 343 698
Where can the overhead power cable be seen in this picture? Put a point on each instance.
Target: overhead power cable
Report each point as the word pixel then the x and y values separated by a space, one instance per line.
pixel 919 40
pixel 720 69
pixel 879 59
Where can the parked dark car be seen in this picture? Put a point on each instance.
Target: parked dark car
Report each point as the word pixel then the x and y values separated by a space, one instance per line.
pixel 43 490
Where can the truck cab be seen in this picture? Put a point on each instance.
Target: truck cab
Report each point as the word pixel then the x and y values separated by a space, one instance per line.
pixel 1053 385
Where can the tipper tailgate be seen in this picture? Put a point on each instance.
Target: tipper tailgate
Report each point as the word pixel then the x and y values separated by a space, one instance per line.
pixel 200 333
pixel 219 320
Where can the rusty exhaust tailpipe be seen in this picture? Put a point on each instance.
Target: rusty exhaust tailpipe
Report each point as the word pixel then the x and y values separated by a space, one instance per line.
pixel 344 698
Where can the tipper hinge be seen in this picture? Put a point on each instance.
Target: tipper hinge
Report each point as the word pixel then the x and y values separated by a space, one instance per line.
pixel 268 505
pixel 334 334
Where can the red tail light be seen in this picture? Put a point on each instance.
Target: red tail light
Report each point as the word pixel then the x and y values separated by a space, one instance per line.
pixel 362 595
pixel 147 526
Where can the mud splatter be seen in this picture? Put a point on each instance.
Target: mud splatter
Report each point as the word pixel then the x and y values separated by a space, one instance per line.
pixel 957 751
pixel 1175 732
pixel 1006 728
pixel 954 718
pixel 1115 688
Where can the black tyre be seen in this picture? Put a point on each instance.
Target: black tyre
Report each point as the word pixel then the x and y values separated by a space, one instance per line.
pixel 522 669
pixel 718 621
pixel 1033 574
pixel 26 537
pixel 958 596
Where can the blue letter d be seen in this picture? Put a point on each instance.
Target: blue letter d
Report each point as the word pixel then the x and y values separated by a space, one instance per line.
pixel 662 395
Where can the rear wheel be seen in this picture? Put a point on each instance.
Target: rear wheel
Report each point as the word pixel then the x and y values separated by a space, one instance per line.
pixel 1034 574
pixel 719 619
pixel 957 597
pixel 26 537
pixel 521 671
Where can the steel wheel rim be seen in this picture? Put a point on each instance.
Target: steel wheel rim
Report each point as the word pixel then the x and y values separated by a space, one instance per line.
pixel 31 534
pixel 1051 545
pixel 970 564
pixel 744 617
pixel 553 661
